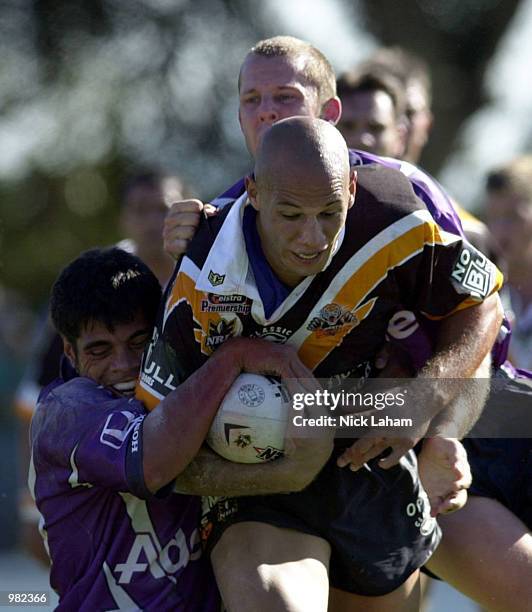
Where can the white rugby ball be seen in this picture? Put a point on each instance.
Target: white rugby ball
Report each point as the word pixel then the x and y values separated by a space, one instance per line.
pixel 250 424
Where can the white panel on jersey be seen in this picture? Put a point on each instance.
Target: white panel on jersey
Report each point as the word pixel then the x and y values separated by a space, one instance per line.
pixel 230 270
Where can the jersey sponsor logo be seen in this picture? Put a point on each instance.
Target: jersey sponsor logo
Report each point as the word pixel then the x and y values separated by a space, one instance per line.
pixel 154 376
pixel 117 427
pixel 215 279
pixel 419 511
pixel 220 331
pixel 239 304
pixel 152 373
pixel 274 333
pixel 145 554
pixel 474 272
pixel 402 325
pixel 135 437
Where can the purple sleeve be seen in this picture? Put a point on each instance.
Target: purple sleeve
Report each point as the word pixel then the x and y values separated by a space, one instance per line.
pixel 99 434
pixel 427 189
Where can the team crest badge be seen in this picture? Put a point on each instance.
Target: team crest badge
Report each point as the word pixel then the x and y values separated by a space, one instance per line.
pixel 331 318
pixel 215 279
pixel 335 319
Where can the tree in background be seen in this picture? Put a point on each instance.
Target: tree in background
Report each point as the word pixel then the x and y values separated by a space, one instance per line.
pixel 91 88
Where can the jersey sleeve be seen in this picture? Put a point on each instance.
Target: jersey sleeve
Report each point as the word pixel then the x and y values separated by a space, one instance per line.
pixel 450 275
pixel 175 351
pixel 96 436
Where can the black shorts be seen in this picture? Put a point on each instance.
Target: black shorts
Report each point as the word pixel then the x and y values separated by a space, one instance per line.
pixel 502 467
pixel 508 411
pixel 377 522
pixel 502 470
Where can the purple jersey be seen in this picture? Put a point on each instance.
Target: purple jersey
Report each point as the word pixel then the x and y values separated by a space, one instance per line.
pixel 113 546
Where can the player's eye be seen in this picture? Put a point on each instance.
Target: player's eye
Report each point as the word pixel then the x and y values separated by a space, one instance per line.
pixel 286 97
pixel 98 352
pixel 249 100
pixel 140 342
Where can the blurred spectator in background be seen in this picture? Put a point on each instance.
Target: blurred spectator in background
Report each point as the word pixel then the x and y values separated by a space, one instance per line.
pixel 145 199
pixel 413 73
pixel 373 107
pixel 386 110
pixel 509 217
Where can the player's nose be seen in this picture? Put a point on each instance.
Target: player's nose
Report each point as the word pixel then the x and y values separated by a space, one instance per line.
pixel 312 235
pixel 127 361
pixel 268 112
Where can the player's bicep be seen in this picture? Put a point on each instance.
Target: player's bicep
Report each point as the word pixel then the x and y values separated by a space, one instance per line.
pixel 109 451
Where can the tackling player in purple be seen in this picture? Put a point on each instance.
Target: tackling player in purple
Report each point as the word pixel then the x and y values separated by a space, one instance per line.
pixel 102 468
pixel 113 545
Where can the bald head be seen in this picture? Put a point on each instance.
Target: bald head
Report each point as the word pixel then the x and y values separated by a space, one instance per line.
pixel 302 147
pixel 302 191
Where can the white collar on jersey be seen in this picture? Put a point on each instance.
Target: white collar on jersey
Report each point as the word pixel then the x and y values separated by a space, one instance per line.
pixel 227 271
pixel 228 256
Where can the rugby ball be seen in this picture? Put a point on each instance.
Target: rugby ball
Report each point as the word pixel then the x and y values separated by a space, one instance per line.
pixel 250 424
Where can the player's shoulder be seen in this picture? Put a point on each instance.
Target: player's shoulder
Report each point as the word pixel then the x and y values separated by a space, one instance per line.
pixel 75 391
pixel 206 234
pixel 380 185
pixel 74 403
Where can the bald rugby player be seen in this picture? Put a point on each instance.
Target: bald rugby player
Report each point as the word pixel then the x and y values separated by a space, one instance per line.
pixel 282 257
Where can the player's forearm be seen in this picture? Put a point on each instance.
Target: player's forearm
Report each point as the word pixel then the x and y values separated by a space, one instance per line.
pixel 464 342
pixel 458 419
pixel 175 430
pixel 210 474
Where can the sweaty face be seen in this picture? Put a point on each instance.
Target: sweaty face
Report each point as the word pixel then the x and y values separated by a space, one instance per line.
pixel 368 122
pixel 509 218
pixel 272 88
pixel 299 219
pixel 111 358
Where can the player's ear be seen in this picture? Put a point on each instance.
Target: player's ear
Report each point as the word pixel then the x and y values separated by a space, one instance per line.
pixel 331 110
pixel 352 186
pixel 70 352
pixel 251 188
